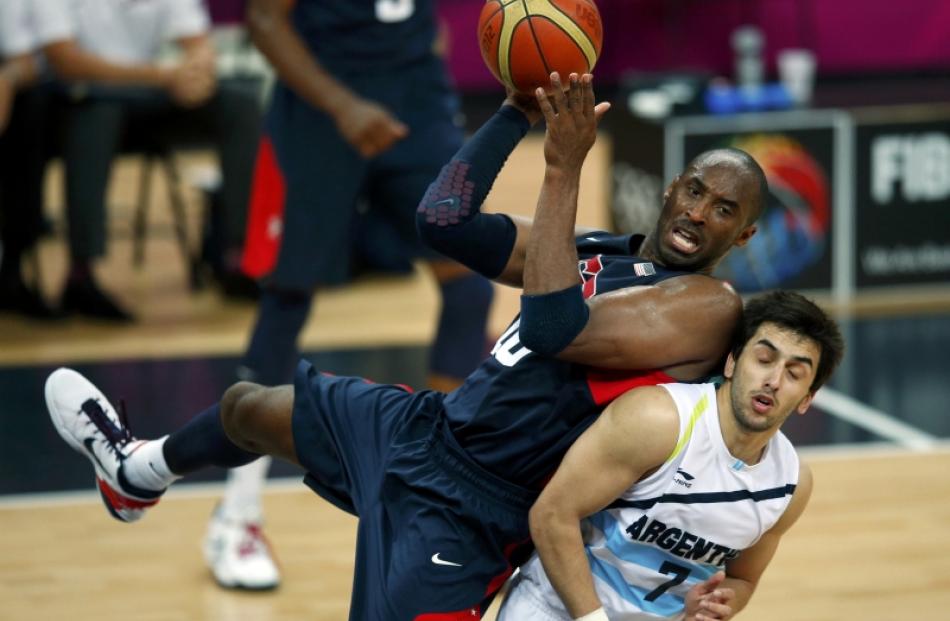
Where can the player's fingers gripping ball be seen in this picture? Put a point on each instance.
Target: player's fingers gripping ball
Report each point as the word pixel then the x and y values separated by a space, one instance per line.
pixel 523 41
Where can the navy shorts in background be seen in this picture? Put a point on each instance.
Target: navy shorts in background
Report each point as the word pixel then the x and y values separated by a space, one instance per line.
pixel 437 535
pixel 325 177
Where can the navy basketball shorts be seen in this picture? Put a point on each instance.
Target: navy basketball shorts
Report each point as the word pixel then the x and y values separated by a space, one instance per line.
pixel 437 535
pixel 325 178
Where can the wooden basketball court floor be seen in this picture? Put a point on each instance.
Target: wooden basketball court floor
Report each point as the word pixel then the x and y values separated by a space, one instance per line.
pixel 873 544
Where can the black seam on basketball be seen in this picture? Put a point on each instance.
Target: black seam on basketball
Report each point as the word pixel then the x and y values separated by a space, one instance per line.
pixel 566 33
pixel 584 32
pixel 501 7
pixel 537 44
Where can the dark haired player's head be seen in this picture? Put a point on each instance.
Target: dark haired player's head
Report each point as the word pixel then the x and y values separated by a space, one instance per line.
pixel 796 314
pixel 709 208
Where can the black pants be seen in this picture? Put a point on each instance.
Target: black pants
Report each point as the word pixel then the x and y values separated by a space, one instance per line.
pixel 97 124
pixel 22 161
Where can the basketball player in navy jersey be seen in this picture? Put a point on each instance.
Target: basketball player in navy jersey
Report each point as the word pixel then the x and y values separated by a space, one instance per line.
pixel 362 110
pixel 442 483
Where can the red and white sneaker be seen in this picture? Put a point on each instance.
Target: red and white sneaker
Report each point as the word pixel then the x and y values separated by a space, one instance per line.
pixel 239 555
pixel 87 421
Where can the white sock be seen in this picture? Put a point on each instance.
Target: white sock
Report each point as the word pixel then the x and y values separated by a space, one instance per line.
pixel 146 467
pixel 242 493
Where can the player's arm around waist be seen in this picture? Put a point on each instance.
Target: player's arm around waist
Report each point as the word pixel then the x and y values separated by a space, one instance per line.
pixel 634 436
pixel 685 321
pixel 743 573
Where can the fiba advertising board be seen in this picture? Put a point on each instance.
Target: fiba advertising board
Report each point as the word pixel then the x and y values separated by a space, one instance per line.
pixel 858 199
pixel 902 215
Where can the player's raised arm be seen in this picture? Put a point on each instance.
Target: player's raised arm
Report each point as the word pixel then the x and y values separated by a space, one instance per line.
pixel 682 324
pixel 449 218
pixel 634 435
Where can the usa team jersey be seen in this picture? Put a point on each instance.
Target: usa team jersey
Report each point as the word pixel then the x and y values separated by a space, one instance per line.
pixel 678 526
pixel 519 412
pixel 356 35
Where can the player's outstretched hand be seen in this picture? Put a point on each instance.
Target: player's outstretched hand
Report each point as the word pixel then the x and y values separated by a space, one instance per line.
pixel 571 117
pixel 369 127
pixel 708 601
pixel 528 104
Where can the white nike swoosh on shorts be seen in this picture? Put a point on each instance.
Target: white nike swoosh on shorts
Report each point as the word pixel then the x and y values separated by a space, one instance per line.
pixel 439 561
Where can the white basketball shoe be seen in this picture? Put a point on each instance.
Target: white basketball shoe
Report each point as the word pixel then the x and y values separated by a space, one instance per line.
pixel 87 421
pixel 239 555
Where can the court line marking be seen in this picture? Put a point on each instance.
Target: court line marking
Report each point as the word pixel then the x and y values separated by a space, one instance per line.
pixel 871 419
pixel 209 489
pixel 213 490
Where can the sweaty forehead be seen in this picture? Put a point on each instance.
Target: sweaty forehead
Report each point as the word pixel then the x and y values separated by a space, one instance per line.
pixel 788 342
pixel 724 172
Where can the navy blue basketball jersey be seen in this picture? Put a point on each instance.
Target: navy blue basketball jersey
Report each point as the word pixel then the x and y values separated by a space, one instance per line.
pixel 519 412
pixel 366 35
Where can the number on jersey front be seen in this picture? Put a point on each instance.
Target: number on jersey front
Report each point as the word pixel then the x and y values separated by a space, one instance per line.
pixel 391 11
pixel 679 573
pixel 509 350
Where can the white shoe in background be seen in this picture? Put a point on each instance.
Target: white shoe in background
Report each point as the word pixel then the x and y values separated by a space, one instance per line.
pixel 239 555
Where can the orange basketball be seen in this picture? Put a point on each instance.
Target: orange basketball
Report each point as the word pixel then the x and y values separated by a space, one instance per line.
pixel 523 41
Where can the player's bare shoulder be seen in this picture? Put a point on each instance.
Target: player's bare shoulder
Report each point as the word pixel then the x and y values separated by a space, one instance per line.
pixel 712 294
pixel 648 415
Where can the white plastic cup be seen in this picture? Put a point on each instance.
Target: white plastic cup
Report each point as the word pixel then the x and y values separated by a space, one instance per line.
pixel 796 70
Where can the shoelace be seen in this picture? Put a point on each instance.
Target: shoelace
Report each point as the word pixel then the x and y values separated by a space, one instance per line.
pixel 254 538
pixel 116 437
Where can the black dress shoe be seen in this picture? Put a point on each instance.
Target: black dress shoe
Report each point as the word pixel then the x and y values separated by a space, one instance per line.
pixel 86 298
pixel 18 298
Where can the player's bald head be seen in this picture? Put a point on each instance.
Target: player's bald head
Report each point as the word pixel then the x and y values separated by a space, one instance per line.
pixel 747 171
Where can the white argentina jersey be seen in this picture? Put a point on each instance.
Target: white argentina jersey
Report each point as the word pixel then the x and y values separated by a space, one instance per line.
pixel 676 527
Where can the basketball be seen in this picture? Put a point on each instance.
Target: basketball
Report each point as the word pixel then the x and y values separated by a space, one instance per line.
pixel 523 41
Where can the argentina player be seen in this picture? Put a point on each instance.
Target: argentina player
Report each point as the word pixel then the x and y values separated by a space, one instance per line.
pixel 686 488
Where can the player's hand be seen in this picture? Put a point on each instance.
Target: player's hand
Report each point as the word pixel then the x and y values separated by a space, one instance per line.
pixel 528 105
pixel 193 82
pixel 369 127
pixel 571 118
pixel 708 601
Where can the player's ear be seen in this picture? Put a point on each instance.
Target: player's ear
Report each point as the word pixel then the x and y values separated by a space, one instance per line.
pixel 745 236
pixel 669 189
pixel 730 369
pixel 805 403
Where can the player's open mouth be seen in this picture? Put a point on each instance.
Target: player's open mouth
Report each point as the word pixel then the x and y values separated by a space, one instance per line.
pixel 684 241
pixel 762 403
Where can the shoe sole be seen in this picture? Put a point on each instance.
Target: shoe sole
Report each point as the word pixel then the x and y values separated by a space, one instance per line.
pixel 101 476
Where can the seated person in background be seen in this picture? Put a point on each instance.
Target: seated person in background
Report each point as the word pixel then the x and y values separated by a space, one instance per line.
pixel 22 120
pixel 105 52
pixel 707 484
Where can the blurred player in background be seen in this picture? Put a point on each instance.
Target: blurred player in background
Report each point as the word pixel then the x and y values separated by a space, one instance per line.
pixel 363 110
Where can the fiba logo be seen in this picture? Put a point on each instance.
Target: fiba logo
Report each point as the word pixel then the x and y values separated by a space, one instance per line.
pixel 793 229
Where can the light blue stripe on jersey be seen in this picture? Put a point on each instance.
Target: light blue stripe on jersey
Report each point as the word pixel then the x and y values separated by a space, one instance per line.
pixel 648 556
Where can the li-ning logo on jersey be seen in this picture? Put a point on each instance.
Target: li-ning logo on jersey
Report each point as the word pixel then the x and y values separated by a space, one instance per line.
pixel 644 269
pixel 683 478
